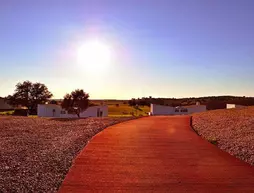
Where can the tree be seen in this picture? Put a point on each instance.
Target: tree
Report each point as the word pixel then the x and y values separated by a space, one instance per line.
pixel 76 102
pixel 132 102
pixel 53 102
pixel 28 94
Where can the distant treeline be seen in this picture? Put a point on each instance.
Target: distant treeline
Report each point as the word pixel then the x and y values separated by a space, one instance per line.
pixel 212 102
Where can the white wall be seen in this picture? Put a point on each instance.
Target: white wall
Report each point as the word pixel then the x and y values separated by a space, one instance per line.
pixel 161 110
pixel 92 111
pixel 239 106
pixel 191 109
pixel 46 110
pixel 196 109
pixel 168 110
pixel 231 106
pixel 89 112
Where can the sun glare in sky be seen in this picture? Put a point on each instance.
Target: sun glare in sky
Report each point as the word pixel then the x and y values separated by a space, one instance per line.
pixel 94 56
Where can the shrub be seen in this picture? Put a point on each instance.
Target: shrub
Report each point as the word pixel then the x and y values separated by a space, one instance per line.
pixel 32 111
pixel 20 112
pixel 213 141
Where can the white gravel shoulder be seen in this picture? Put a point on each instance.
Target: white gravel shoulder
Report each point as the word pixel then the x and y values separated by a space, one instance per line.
pixel 36 153
pixel 233 129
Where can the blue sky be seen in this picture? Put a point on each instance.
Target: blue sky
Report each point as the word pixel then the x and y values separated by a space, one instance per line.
pixel 162 48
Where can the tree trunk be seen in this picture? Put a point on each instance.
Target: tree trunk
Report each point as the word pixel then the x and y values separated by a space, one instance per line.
pixel 78 112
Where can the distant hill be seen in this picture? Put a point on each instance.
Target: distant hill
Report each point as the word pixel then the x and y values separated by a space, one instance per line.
pixel 212 102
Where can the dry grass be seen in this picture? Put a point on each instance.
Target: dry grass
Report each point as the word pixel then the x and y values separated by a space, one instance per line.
pixel 232 129
pixel 36 153
pixel 125 109
pixel 6 113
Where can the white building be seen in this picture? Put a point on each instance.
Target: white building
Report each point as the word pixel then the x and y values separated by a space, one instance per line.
pixel 181 110
pixel 54 110
pixel 232 106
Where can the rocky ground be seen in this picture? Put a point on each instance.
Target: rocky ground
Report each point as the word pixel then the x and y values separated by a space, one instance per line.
pixel 231 129
pixel 36 153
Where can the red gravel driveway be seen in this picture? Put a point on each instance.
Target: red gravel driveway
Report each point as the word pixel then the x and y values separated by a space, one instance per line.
pixel 156 154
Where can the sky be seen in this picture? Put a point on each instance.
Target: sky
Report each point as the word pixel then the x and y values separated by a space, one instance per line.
pixel 159 48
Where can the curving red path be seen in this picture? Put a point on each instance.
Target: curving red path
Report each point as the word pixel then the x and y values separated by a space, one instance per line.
pixel 156 154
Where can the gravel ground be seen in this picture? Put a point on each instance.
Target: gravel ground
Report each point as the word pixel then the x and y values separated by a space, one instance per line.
pixel 233 129
pixel 36 153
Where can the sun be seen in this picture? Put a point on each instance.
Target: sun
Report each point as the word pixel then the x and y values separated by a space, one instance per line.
pixel 94 55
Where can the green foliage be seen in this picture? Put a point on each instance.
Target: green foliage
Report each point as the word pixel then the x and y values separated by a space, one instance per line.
pixel 76 102
pixel 28 94
pixel 213 141
pixel 20 112
pixel 53 102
